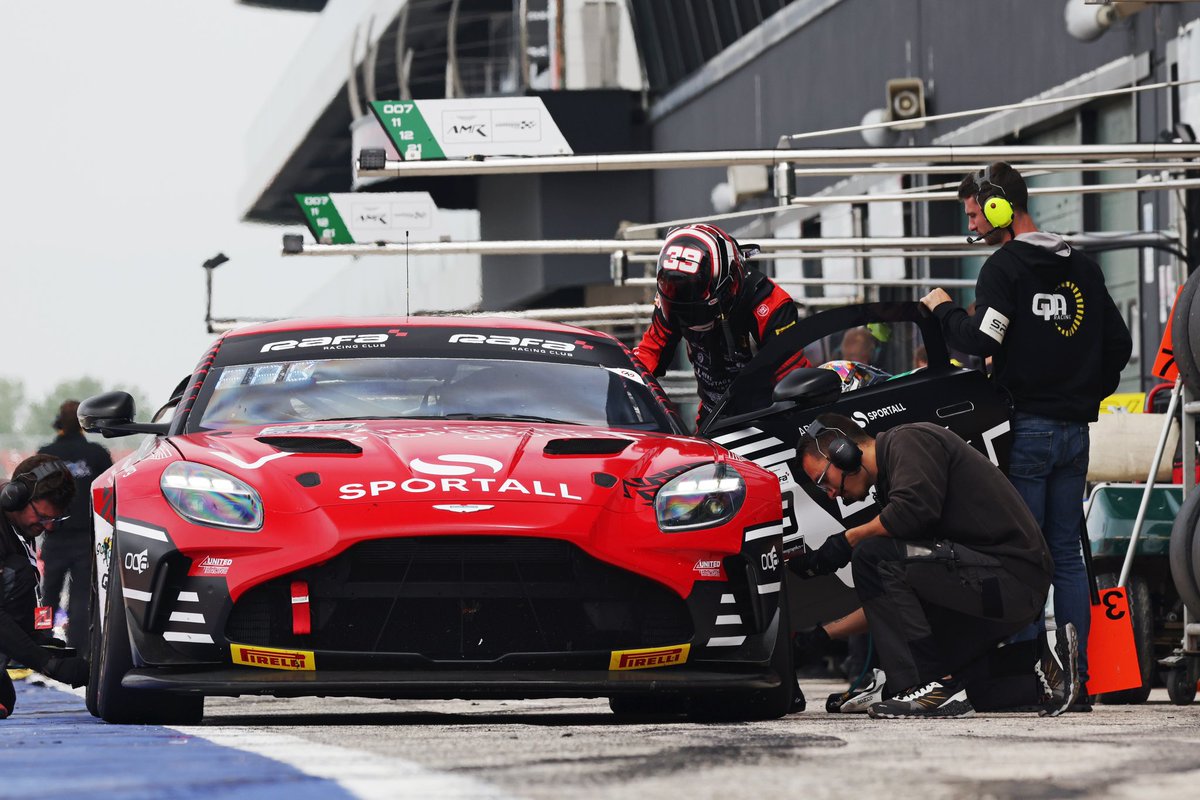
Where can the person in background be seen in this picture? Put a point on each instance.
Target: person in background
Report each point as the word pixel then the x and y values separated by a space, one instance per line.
pixel 858 345
pixel 1058 344
pixel 69 551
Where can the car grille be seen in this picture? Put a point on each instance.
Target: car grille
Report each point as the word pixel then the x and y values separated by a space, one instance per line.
pixel 465 598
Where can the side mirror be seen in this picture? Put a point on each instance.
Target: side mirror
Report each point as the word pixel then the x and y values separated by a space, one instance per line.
pixel 111 414
pixel 813 386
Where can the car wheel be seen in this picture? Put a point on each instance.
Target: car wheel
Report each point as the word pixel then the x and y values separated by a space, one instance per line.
pixel 765 704
pixel 1141 612
pixel 93 642
pixel 1185 334
pixel 112 658
pixel 643 705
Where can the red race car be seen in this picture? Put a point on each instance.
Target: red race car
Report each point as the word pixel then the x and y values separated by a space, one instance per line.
pixel 431 507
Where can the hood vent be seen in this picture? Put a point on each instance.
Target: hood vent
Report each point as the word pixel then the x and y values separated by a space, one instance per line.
pixel 585 447
pixel 311 444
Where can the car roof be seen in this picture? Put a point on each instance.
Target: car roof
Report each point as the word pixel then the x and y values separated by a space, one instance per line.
pixel 482 323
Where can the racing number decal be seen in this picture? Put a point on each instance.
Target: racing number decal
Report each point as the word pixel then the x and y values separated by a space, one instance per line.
pixel 1109 599
pixel 684 259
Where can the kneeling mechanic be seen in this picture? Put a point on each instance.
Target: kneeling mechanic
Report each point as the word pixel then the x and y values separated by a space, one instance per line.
pixel 952 566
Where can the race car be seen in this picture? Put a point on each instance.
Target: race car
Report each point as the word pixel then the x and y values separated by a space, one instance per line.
pixel 431 508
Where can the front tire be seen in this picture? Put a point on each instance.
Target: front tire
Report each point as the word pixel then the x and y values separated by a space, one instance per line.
pixel 758 705
pixel 112 657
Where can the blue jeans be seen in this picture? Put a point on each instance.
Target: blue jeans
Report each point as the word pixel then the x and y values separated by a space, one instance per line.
pixel 1048 467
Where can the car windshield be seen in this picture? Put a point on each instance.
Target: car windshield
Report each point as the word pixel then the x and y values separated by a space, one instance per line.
pixel 427 388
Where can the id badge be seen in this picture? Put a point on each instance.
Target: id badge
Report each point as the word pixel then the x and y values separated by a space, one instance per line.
pixel 43 618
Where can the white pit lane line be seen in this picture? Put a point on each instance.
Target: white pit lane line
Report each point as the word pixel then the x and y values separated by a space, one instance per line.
pixel 365 775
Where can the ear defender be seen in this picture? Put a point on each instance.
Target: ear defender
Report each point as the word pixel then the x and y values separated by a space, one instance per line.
pixel 841 450
pixel 998 211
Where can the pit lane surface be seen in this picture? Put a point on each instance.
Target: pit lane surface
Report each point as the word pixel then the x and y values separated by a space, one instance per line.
pixel 341 748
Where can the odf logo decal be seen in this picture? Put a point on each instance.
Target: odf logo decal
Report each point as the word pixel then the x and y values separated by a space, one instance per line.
pixel 1063 307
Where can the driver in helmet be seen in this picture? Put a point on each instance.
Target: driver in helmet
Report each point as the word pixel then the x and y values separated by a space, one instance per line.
pixel 722 310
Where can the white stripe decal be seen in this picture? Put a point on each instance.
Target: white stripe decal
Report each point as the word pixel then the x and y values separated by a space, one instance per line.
pixel 727 598
pixel 768 588
pixel 737 436
pixel 726 641
pixel 762 533
pixel 251 465
pixel 189 597
pixel 729 619
pixel 186 616
pixel 791 537
pixel 180 636
pixel 141 530
pixel 134 594
pixel 754 447
pixel 775 458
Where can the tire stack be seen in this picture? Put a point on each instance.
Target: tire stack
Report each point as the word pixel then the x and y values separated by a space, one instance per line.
pixel 1185 541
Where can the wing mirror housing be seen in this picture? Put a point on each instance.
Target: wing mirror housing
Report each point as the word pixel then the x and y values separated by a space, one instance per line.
pixel 111 414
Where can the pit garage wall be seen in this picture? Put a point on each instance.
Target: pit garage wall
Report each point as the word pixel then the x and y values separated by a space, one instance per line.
pixel 832 60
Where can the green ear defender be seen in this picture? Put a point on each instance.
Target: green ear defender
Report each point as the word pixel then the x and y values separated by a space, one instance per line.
pixel 996 208
pixel 998 211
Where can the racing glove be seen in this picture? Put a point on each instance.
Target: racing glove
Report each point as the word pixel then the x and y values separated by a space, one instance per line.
pixel 833 554
pixel 72 671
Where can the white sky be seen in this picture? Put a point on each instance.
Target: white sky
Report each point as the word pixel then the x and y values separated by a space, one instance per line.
pixel 122 148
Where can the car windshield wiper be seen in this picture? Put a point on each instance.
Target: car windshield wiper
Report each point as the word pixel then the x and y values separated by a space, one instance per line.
pixel 508 418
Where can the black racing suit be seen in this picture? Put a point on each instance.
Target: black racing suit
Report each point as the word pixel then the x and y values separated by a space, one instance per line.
pixel 69 549
pixel 762 311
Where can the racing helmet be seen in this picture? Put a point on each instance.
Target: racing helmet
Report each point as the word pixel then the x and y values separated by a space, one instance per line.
pixel 855 374
pixel 701 270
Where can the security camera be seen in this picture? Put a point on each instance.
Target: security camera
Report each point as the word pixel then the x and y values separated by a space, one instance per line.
pixel 1087 21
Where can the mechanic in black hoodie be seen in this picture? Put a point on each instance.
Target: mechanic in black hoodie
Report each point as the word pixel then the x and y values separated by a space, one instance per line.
pixel 69 550
pixel 31 504
pixel 1058 344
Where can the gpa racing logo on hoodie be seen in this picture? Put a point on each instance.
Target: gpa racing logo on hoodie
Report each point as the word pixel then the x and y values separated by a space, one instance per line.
pixel 1053 307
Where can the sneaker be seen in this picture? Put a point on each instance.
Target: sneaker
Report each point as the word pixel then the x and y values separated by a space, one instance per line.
pixel 857 701
pixel 934 700
pixel 1058 670
pixel 798 701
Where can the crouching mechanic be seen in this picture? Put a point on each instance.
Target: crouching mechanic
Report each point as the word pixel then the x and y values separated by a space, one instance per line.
pixel 722 310
pixel 953 564
pixel 31 504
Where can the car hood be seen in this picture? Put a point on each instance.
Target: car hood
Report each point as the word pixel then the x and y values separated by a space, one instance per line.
pixel 440 461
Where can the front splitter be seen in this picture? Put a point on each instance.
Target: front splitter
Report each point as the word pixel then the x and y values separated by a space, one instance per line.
pixel 450 684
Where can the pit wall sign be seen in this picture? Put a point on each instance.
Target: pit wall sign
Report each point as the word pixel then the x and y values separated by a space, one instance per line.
pixel 423 130
pixel 367 217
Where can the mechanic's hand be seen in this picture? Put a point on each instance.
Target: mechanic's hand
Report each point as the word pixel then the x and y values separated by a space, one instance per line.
pixel 833 554
pixel 935 298
pixel 72 671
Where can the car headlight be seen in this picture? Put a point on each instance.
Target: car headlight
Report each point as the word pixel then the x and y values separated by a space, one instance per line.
pixel 209 496
pixel 703 497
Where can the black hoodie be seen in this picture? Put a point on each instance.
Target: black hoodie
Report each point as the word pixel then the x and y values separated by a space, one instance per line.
pixel 1058 341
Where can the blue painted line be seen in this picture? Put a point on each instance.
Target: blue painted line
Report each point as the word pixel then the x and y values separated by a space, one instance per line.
pixel 52 747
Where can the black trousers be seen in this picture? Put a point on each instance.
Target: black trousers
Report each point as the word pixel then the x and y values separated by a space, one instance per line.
pixel 936 607
pixel 73 557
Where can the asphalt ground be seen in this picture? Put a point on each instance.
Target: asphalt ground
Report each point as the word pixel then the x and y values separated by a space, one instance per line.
pixel 348 747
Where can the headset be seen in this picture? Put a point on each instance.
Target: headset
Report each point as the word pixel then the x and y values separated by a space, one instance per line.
pixel 841 451
pixel 17 493
pixel 997 209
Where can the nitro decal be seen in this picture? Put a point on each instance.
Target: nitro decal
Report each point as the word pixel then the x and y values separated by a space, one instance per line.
pixel 646 488
pixel 210 567
pixel 459 465
pixel 523 344
pixel 1063 307
pixel 709 569
pixel 649 657
pixel 864 418
pixel 342 341
pixel 271 658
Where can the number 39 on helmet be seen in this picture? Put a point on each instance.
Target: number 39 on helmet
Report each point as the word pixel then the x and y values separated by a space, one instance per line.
pixel 701 270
